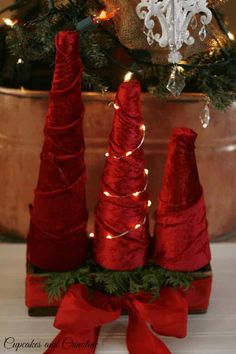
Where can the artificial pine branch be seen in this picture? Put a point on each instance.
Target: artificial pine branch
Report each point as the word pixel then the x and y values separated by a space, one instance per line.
pixel 149 278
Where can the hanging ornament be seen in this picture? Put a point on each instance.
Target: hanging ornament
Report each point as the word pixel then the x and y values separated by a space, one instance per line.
pixel 174 17
pixel 202 33
pixel 193 22
pixel 130 32
pixel 205 116
pixel 176 81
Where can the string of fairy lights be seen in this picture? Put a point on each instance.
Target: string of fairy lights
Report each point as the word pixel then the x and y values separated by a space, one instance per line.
pixel 135 194
pixel 128 153
pixel 136 227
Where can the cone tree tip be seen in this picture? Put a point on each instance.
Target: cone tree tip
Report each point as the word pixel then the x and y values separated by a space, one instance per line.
pixel 128 98
pixel 67 41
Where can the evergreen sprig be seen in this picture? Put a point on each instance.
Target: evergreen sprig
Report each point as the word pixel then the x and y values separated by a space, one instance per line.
pixel 150 278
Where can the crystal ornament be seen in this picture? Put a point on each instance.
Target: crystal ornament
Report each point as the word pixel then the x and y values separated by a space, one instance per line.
pixel 175 17
pixel 150 38
pixel 193 22
pixel 203 33
pixel 205 116
pixel 176 82
pixel 174 57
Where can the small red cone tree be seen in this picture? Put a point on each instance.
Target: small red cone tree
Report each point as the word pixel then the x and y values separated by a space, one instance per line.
pixel 121 236
pixel 181 239
pixel 57 235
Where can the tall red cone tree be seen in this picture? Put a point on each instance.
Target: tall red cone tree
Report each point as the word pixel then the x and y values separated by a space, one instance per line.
pixel 57 235
pixel 181 240
pixel 121 236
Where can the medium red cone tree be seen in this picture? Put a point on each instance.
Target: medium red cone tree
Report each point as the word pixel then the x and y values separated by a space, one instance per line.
pixel 121 236
pixel 181 240
pixel 57 235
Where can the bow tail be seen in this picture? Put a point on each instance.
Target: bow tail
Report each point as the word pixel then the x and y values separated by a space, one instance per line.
pixel 140 339
pixel 74 343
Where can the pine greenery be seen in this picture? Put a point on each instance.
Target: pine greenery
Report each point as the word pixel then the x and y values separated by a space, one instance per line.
pixel 149 278
pixel 105 59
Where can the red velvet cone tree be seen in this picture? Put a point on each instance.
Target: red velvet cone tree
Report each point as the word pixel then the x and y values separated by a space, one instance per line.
pixel 57 235
pixel 181 240
pixel 121 236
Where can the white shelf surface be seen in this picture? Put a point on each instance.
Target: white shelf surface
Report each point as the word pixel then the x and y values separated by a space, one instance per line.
pixel 212 333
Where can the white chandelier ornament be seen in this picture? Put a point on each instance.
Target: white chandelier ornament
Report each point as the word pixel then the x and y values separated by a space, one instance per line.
pixel 175 17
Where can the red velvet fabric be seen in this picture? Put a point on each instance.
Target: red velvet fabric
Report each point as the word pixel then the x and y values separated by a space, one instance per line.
pixel 57 239
pixel 35 293
pixel 198 295
pixel 123 177
pixel 81 316
pixel 181 240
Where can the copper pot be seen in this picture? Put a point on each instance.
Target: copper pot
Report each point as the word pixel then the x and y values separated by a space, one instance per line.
pixel 21 126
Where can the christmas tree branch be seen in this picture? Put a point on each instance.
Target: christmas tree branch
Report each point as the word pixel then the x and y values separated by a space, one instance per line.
pixel 150 278
pixel 106 59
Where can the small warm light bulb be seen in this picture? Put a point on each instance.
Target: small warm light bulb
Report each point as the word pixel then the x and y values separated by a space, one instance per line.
pixel 106 15
pixel 91 235
pixel 231 36
pixel 180 69
pixel 107 154
pixel 137 226
pixel 116 106
pixel 146 171
pixel 110 237
pixel 106 193
pixel 212 51
pixel 128 76
pixel 128 153
pixel 103 15
pixel 9 22
pixel 136 194
pixel 149 203
pixel 143 127
pixel 20 61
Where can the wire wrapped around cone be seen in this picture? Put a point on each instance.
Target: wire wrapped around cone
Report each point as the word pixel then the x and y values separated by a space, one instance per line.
pixel 129 29
pixel 57 239
pixel 181 241
pixel 121 223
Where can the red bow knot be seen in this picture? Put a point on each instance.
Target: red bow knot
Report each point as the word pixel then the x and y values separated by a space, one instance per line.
pixel 81 315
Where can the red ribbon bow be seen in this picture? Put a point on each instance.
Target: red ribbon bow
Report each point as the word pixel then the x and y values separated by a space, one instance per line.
pixel 82 313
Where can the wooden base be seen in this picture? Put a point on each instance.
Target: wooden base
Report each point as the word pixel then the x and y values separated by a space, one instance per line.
pixel 42 311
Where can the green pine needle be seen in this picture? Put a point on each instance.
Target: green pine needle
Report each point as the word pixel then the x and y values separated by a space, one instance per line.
pixel 150 278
